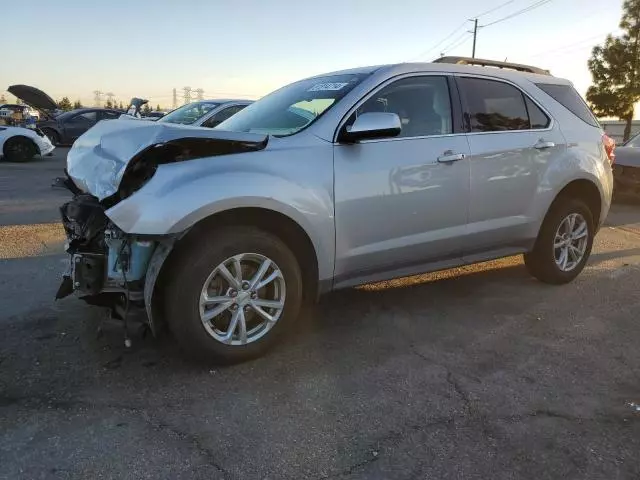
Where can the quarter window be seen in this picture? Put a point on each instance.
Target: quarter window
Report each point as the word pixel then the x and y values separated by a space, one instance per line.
pixel 537 118
pixel 422 103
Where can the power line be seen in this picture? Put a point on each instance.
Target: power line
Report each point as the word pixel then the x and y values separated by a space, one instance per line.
pixel 440 42
pixel 519 12
pixel 493 9
pixel 455 41
pixel 570 47
pixel 460 43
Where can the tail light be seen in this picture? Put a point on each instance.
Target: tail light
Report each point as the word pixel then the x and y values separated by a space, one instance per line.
pixel 609 147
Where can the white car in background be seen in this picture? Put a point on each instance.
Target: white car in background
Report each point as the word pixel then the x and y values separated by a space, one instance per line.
pixel 19 144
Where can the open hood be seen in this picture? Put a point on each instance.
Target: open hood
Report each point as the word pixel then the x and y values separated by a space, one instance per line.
pixel 98 160
pixel 33 97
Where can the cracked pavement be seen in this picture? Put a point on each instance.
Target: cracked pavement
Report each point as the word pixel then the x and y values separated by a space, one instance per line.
pixel 479 372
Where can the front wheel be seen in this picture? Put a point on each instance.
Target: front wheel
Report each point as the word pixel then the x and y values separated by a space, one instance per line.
pixel 19 150
pixel 564 243
pixel 232 294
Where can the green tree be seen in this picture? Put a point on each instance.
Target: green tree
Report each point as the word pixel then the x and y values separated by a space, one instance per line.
pixel 108 104
pixel 77 104
pixel 65 104
pixel 157 107
pixel 146 109
pixel 3 99
pixel 121 107
pixel 615 68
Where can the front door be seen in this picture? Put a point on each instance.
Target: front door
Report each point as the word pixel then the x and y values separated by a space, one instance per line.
pixel 401 203
pixel 78 124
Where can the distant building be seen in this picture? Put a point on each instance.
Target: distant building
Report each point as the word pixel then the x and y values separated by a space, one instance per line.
pixel 615 128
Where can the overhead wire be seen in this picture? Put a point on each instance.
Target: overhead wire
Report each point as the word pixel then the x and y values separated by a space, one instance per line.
pixel 432 48
pixel 491 10
pixel 515 14
pixel 460 43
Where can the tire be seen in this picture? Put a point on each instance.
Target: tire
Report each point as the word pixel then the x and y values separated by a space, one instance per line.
pixel 543 261
pixel 197 262
pixel 52 135
pixel 19 149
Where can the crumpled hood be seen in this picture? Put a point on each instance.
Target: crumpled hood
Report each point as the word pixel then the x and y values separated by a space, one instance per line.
pixel 98 159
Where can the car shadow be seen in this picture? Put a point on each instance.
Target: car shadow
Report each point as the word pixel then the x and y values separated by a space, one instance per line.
pixel 597 258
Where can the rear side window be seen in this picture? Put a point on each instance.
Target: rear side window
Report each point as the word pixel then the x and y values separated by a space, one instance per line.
pixel 571 100
pixel 494 106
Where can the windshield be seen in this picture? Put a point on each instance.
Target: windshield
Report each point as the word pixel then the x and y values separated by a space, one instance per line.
pixel 187 114
pixel 294 107
pixel 634 142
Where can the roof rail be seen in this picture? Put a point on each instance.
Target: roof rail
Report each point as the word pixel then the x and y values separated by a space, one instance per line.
pixel 492 63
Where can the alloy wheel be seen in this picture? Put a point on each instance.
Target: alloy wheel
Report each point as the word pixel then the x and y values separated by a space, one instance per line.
pixel 570 242
pixel 242 299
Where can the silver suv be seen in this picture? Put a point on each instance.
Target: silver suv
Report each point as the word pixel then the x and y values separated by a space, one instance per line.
pixel 330 182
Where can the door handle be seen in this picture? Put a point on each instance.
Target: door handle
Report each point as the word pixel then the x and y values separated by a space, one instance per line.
pixel 449 157
pixel 541 145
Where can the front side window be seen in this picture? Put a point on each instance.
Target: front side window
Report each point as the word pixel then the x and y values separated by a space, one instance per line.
pixel 294 107
pixel 221 116
pixel 107 115
pixel 84 118
pixel 634 142
pixel 494 106
pixel 189 113
pixel 422 103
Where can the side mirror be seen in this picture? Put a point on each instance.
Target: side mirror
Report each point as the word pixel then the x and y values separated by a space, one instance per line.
pixel 372 125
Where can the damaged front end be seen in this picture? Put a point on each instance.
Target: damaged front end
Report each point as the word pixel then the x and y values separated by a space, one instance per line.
pixel 107 266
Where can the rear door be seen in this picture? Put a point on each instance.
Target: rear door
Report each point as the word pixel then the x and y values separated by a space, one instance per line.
pixel 512 139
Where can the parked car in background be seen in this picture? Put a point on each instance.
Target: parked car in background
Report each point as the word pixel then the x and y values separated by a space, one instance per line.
pixel 206 113
pixel 19 144
pixel 626 171
pixel 394 170
pixel 65 128
pixel 62 128
pixel 8 109
pixel 153 115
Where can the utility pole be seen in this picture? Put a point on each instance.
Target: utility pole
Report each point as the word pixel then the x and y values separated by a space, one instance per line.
pixel 175 99
pixel 475 34
pixel 97 97
pixel 200 94
pixel 187 94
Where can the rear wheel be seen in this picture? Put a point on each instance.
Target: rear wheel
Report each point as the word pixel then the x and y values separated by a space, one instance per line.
pixel 52 135
pixel 19 149
pixel 233 294
pixel 564 243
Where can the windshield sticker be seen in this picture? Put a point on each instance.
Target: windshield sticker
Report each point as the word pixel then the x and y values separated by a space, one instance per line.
pixel 327 87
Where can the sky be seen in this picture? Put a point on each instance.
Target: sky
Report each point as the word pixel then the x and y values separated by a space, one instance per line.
pixel 247 48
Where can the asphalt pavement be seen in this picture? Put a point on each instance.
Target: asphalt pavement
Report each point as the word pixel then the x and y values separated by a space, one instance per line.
pixel 479 372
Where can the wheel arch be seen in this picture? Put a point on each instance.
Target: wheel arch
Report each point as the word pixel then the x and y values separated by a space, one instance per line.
pixel 585 190
pixel 274 222
pixel 13 138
